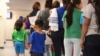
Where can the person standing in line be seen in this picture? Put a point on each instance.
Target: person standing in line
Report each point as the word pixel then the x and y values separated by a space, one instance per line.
pixel 36 8
pixel 53 22
pixel 58 36
pixel 72 28
pixel 19 37
pixel 37 40
pixel 90 37
pixel 43 15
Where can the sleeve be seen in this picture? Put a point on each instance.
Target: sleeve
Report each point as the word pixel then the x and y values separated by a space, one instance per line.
pixel 88 11
pixel 63 18
pixel 32 37
pixel 39 15
pixel 82 19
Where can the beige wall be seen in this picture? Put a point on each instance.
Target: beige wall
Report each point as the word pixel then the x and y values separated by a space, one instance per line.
pixel 10 22
pixel 3 9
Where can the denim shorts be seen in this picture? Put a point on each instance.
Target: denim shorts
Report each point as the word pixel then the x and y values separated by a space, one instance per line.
pixel 19 47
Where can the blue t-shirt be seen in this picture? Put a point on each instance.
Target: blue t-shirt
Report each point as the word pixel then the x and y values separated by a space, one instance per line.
pixel 38 42
pixel 60 12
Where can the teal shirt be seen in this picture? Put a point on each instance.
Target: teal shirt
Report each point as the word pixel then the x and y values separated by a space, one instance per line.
pixel 19 35
pixel 74 31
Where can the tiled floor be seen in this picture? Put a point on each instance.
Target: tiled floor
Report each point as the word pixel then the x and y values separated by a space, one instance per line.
pixel 9 50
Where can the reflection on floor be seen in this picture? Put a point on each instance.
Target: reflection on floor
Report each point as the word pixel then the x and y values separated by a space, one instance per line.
pixel 9 50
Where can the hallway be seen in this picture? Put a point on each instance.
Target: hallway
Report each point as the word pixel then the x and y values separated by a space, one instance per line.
pixel 9 50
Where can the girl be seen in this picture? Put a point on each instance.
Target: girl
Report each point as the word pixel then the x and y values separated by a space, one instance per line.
pixel 19 37
pixel 72 28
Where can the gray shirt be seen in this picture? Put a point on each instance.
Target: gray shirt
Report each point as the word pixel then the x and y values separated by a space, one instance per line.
pixel 90 13
pixel 43 15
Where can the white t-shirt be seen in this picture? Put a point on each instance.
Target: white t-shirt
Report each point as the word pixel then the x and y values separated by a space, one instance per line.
pixel 90 13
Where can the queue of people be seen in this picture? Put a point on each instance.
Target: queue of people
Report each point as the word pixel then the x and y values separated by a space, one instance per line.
pixel 68 29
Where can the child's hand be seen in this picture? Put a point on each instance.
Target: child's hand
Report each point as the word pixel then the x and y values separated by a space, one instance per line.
pixel 26 47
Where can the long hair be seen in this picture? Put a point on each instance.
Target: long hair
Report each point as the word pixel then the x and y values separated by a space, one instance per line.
pixel 90 1
pixel 66 2
pixel 97 11
pixel 18 25
pixel 70 10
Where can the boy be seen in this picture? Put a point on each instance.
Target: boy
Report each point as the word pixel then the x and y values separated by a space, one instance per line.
pixel 37 40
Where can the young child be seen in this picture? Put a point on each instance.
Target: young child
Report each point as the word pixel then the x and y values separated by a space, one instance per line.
pixel 37 40
pixel 72 23
pixel 19 37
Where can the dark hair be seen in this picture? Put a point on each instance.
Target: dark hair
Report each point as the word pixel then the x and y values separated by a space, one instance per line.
pixel 97 11
pixel 18 24
pixel 70 10
pixel 48 4
pixel 36 6
pixel 55 4
pixel 90 1
pixel 39 22
pixel 65 2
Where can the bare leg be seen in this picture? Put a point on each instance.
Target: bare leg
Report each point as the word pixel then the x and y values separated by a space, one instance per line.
pixel 17 54
pixel 22 54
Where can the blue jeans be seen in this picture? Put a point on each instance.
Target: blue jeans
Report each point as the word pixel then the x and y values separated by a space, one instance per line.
pixel 19 47
pixel 47 50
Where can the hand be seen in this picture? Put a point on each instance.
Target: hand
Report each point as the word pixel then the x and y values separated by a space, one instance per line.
pixel 82 44
pixel 49 31
pixel 26 47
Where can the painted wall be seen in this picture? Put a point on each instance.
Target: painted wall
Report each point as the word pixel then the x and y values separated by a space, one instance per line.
pixel 10 22
pixel 3 10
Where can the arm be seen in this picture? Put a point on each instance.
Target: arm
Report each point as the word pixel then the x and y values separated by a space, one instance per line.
pixel 31 41
pixel 84 30
pixel 30 47
pixel 87 15
pixel 26 40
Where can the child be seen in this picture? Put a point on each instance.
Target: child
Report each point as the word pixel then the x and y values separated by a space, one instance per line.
pixel 19 37
pixel 72 28
pixel 37 40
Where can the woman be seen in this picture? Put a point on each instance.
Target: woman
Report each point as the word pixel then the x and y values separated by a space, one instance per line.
pixel 58 36
pixel 36 8
pixel 72 28
pixel 52 21
pixel 91 29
